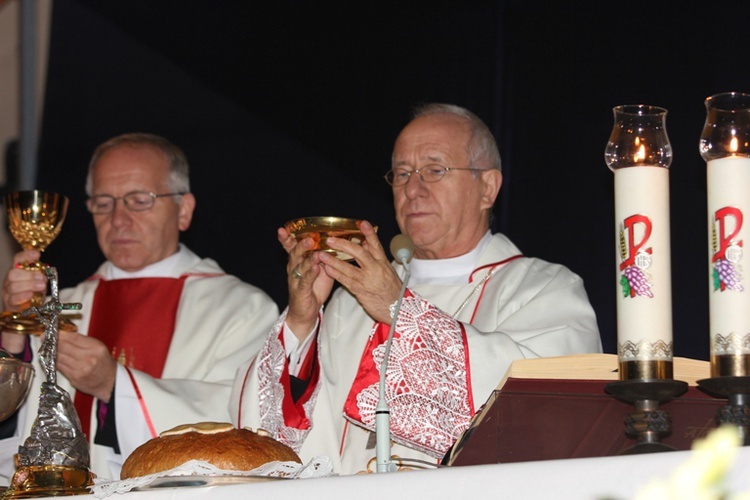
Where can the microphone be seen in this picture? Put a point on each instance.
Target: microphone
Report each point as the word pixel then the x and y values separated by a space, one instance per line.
pixel 402 249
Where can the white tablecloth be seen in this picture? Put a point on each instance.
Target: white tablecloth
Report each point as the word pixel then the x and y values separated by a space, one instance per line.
pixel 615 478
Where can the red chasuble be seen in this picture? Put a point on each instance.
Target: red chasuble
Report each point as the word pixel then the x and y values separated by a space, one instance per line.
pixel 135 319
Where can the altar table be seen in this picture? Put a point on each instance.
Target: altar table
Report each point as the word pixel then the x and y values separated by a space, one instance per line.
pixel 610 478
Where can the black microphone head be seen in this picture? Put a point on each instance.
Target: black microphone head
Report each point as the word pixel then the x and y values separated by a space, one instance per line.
pixel 402 248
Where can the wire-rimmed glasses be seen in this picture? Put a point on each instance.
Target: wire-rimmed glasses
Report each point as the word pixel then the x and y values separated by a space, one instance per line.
pixel 135 201
pixel 432 172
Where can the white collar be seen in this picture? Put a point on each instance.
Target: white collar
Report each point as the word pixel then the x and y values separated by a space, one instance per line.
pixel 455 270
pixel 171 267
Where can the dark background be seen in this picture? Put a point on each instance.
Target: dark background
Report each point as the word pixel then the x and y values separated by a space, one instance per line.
pixel 291 109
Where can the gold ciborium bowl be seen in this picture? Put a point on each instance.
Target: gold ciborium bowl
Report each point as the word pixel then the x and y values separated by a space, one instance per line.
pixel 322 228
pixel 15 381
pixel 34 219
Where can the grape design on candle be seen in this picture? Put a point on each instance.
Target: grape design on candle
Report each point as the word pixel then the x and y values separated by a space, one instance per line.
pixel 634 280
pixel 726 251
pixel 635 283
pixel 726 276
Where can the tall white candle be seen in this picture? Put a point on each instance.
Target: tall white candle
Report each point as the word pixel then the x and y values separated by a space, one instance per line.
pixel 644 277
pixel 728 182
pixel 639 153
pixel 725 145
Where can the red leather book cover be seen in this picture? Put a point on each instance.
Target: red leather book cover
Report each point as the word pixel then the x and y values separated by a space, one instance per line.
pixel 546 419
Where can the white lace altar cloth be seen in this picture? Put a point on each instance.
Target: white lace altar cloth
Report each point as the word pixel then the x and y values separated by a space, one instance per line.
pixel 317 467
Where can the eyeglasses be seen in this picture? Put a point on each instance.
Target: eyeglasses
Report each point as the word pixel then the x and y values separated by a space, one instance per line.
pixel 429 173
pixel 135 201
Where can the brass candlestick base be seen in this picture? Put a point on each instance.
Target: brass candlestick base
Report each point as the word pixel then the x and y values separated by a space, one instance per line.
pixel 647 424
pixel 34 481
pixel 736 389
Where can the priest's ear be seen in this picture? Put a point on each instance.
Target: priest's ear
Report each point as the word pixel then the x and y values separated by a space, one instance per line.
pixel 185 216
pixel 492 180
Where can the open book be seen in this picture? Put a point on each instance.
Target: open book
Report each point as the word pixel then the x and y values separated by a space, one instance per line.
pixel 595 367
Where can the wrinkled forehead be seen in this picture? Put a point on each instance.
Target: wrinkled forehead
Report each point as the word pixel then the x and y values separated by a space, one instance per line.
pixel 433 138
pixel 136 165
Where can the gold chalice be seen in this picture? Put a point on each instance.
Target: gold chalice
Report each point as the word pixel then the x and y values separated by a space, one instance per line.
pixel 321 228
pixel 35 219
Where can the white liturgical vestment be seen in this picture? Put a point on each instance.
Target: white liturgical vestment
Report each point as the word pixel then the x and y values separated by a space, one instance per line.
pixel 221 322
pixel 453 344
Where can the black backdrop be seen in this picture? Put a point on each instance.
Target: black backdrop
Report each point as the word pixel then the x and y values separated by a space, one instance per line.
pixel 291 109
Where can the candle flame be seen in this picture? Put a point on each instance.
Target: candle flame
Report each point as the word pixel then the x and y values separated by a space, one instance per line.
pixel 640 154
pixel 733 145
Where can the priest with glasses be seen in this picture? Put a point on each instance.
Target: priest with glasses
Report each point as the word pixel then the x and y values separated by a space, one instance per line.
pixel 474 303
pixel 162 330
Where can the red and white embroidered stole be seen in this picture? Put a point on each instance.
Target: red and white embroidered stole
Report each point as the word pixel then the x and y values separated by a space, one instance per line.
pixel 427 380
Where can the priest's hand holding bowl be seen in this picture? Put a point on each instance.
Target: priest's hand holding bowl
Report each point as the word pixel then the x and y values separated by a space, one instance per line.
pixel 373 282
pixel 309 287
pixel 311 274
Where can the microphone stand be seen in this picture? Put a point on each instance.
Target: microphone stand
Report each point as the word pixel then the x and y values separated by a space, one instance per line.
pixel 382 412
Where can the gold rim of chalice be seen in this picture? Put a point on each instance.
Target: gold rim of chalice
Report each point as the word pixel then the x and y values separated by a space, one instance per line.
pixel 320 228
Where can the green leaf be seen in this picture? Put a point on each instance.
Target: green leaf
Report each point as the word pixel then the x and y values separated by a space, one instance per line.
pixel 625 286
